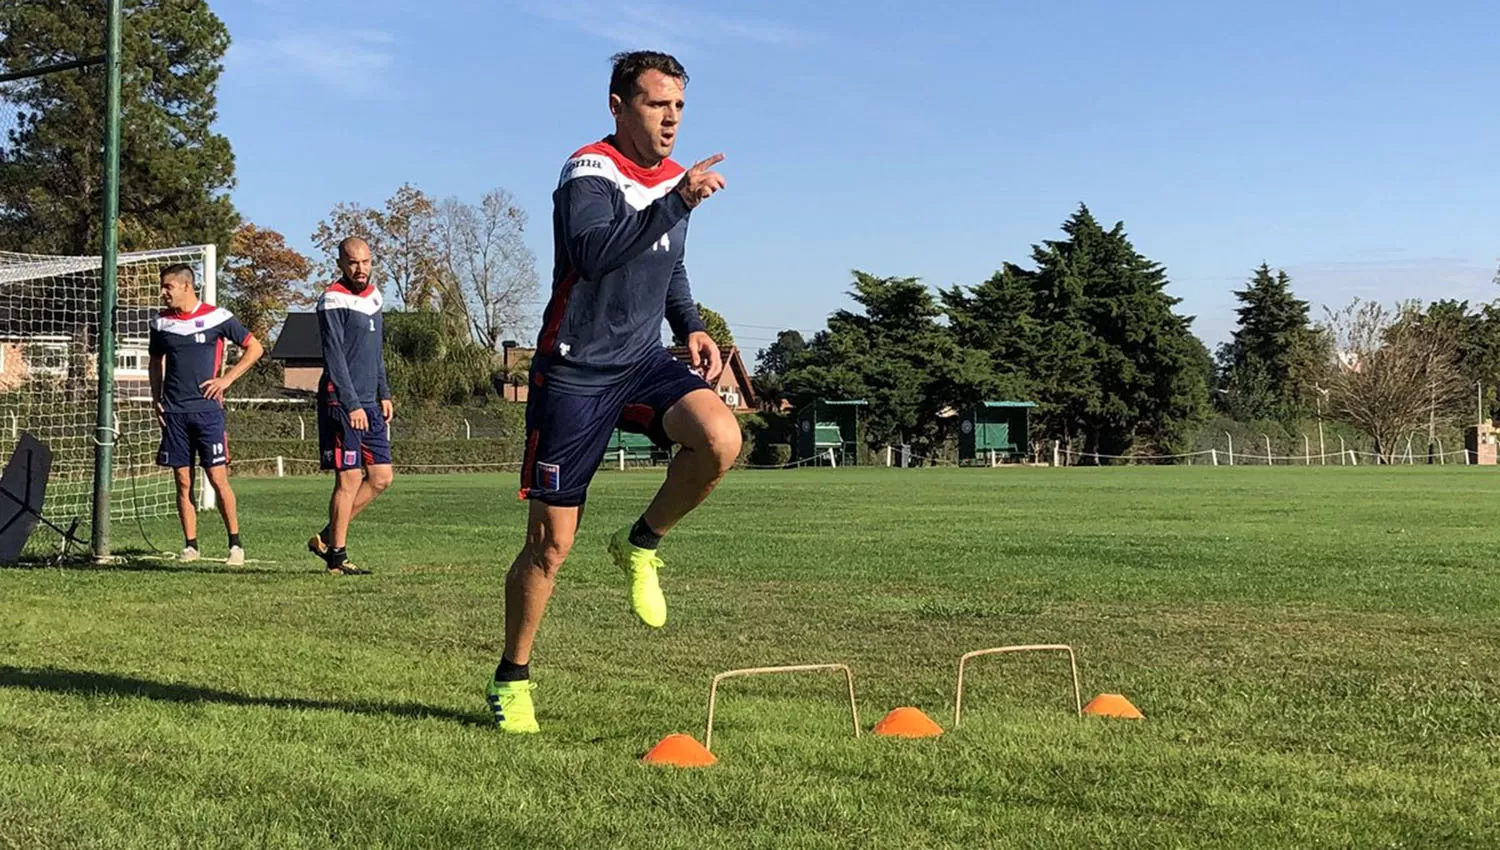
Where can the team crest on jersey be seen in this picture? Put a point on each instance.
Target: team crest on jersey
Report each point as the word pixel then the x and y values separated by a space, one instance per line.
pixel 198 323
pixel 548 476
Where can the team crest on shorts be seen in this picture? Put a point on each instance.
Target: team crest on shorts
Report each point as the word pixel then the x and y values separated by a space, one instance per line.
pixel 351 458
pixel 548 476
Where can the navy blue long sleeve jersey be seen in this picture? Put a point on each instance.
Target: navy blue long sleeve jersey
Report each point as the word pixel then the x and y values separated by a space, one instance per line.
pixel 193 347
pixel 353 359
pixel 618 232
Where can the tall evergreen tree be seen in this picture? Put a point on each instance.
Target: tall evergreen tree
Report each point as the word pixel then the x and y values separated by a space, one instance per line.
pixel 896 355
pixel 772 364
pixel 1269 369
pixel 778 357
pixel 1091 336
pixel 175 172
pixel 999 317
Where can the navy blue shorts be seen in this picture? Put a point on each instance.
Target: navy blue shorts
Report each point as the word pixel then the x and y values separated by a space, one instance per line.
pixel 187 434
pixel 342 447
pixel 566 434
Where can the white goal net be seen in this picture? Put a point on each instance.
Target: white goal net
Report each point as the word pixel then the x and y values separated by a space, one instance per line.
pixel 49 375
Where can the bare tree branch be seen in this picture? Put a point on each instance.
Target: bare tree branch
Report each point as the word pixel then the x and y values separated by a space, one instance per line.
pixel 1392 372
pixel 487 265
pixel 402 239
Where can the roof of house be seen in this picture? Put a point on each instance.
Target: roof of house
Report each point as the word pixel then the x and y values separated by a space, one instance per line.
pixel 732 361
pixel 299 339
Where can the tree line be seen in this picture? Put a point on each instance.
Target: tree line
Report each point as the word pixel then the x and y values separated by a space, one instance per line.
pixel 1088 333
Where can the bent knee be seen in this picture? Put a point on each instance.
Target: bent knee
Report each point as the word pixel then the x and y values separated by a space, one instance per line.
pixel 548 555
pixel 722 441
pixel 379 478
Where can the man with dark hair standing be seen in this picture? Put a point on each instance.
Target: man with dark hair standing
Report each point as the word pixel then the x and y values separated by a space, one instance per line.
pixel 620 220
pixel 354 402
pixel 187 354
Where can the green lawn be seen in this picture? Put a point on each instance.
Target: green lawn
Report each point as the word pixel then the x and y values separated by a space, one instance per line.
pixel 1317 653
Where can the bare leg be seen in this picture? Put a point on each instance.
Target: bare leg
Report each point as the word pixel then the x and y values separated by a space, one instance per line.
pixel 709 438
pixel 218 477
pixel 359 489
pixel 528 585
pixel 341 505
pixel 185 508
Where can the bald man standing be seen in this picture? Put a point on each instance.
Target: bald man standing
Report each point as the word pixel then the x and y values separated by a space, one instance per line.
pixel 354 402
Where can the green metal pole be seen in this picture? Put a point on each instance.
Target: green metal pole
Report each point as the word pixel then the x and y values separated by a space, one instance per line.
pixel 104 432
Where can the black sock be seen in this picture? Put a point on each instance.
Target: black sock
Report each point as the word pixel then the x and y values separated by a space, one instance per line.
pixel 327 534
pixel 234 540
pixel 337 555
pixel 192 543
pixel 509 671
pixel 642 537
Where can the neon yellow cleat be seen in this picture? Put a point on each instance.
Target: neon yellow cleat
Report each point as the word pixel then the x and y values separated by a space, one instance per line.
pixel 510 703
pixel 640 565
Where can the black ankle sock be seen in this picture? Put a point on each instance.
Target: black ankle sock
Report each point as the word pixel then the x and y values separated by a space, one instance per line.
pixel 234 540
pixel 326 534
pixel 192 543
pixel 509 671
pixel 337 555
pixel 642 537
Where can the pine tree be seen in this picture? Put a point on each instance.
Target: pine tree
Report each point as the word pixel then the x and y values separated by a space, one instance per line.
pixel 778 357
pixel 175 172
pixel 896 355
pixel 1269 369
pixel 999 317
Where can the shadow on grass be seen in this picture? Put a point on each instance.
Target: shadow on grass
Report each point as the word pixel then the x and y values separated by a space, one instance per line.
pixel 108 684
pixel 134 560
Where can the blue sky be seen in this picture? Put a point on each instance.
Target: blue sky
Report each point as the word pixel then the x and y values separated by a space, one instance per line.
pixel 1352 143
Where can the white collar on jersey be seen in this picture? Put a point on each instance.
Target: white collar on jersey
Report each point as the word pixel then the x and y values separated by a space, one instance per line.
pixel 206 317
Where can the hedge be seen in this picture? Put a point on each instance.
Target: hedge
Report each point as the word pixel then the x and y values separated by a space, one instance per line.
pixel 429 438
pixel 259 456
pixel 503 420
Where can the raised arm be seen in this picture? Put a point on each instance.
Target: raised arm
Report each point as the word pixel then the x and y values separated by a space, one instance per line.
pixel 597 240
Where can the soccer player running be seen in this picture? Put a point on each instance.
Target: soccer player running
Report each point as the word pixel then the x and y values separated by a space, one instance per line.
pixel 187 353
pixel 620 219
pixel 354 402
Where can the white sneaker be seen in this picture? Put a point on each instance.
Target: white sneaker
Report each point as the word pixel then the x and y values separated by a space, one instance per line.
pixel 188 554
pixel 236 556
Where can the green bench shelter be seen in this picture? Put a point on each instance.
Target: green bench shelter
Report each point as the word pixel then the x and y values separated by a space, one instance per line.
pixel 834 425
pixel 638 448
pixel 1001 427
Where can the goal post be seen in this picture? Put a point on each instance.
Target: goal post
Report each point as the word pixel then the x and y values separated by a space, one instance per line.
pixel 209 294
pixel 105 432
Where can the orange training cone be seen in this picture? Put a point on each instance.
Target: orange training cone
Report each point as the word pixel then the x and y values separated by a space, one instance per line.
pixel 679 750
pixel 1112 705
pixel 908 722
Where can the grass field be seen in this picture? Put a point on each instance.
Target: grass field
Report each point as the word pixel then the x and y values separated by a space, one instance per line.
pixel 1316 652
